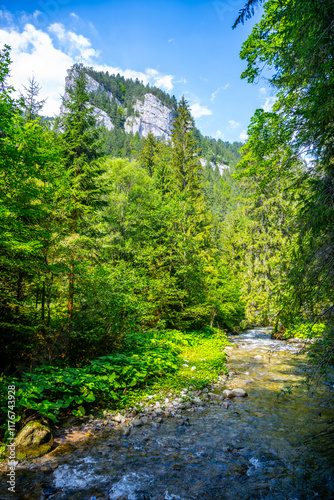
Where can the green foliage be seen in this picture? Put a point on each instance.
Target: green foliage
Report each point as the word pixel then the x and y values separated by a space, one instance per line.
pixel 109 267
pixel 305 331
pixel 294 39
pixel 48 390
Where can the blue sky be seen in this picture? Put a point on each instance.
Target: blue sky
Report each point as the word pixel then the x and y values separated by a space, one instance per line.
pixel 186 48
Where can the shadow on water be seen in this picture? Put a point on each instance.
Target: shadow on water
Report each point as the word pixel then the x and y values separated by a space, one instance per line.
pixel 267 446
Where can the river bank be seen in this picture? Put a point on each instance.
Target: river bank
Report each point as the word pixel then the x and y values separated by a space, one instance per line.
pixel 269 445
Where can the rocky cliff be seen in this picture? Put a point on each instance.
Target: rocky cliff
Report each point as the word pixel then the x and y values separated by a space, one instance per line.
pixel 150 116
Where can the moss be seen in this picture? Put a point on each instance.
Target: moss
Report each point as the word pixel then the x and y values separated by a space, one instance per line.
pixel 34 440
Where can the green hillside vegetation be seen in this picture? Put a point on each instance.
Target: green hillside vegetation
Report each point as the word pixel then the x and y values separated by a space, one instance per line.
pixel 118 253
pixel 108 264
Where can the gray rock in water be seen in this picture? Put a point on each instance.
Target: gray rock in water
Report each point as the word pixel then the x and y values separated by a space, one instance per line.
pixel 137 422
pixel 127 431
pixel 118 418
pixel 212 395
pixel 239 393
pixel 228 394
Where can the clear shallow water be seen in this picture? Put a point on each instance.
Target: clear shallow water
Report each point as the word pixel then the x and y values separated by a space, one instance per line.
pixel 268 446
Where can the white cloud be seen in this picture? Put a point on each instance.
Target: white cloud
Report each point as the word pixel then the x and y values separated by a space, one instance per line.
pixel 197 110
pixel 243 136
pixel 150 76
pixel 77 45
pixel 165 82
pixel 74 15
pixel 33 54
pixel 47 55
pixel 6 16
pixel 181 80
pixel 233 124
pixel 266 100
pixel 219 135
pixel 171 40
pixel 214 94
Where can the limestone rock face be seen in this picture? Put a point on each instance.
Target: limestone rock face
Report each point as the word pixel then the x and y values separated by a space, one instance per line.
pixel 103 118
pixel 34 440
pixel 221 166
pixel 92 86
pixel 152 117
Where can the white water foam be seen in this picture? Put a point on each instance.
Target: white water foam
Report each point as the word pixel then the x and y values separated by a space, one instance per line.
pixel 68 477
pixel 129 485
pixel 171 496
pixel 256 464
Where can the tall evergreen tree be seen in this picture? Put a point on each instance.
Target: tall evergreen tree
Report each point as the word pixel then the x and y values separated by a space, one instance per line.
pixel 30 104
pixel 185 154
pixel 81 148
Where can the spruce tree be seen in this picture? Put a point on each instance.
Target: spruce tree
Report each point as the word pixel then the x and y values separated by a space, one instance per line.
pixel 30 105
pixel 185 155
pixel 81 148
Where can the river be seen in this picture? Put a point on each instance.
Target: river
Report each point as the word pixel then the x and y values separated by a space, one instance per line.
pixel 271 445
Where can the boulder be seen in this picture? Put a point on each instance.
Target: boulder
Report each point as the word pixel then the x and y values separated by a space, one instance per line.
pixel 212 395
pixel 239 393
pixel 118 418
pixel 228 394
pixel 34 440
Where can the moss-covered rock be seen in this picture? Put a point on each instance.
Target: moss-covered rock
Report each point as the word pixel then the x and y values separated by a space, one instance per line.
pixel 34 440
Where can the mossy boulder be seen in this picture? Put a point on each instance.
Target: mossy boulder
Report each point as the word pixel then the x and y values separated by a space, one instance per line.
pixel 34 440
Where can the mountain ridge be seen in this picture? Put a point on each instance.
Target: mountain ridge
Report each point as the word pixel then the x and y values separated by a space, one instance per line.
pixel 129 110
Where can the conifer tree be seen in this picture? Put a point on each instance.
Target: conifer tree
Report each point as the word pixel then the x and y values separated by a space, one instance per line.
pixel 31 106
pixel 81 150
pixel 147 156
pixel 185 155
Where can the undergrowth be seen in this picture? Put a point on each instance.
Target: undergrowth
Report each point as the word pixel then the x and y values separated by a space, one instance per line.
pixel 150 363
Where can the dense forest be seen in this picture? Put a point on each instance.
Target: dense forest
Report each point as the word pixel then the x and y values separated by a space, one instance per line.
pixel 112 247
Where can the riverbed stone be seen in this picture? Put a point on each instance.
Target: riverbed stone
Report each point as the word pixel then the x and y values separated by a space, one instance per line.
pixel 228 394
pixel 239 393
pixel 118 418
pixel 137 422
pixel 34 440
pixel 212 395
